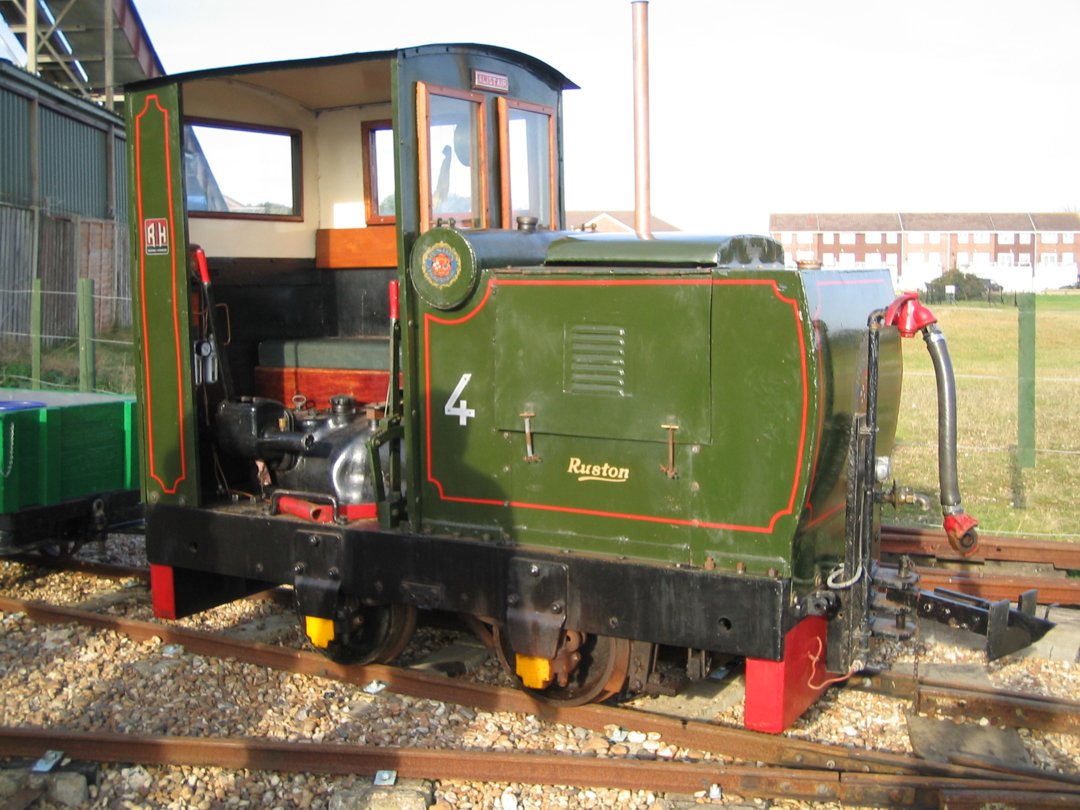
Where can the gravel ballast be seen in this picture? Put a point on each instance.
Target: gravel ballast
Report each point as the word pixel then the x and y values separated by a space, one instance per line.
pixel 71 677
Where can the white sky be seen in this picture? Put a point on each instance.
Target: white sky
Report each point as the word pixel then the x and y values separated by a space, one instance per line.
pixel 758 106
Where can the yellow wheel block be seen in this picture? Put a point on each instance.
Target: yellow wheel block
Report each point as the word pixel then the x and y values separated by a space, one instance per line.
pixel 319 631
pixel 535 673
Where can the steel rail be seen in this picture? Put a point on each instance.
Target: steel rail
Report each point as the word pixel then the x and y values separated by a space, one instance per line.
pixel 976 799
pixel 736 743
pixel 533 768
pixel 347 759
pixel 933 543
pixel 1052 590
pixel 1001 706
pixel 1012 769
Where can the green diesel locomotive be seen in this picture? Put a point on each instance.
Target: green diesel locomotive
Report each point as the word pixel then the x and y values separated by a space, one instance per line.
pixel 374 366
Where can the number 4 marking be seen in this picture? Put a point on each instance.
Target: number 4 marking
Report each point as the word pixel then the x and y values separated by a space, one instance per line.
pixel 459 407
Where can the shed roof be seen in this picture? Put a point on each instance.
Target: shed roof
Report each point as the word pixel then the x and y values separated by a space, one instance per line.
pixel 73 55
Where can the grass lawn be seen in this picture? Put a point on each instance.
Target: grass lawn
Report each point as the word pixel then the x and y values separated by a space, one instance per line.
pixel 982 341
pixel 114 364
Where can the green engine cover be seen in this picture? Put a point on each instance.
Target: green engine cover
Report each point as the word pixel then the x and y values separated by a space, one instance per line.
pixel 673 411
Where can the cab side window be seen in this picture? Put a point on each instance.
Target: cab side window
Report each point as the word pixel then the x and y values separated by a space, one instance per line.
pixel 242 170
pixel 380 193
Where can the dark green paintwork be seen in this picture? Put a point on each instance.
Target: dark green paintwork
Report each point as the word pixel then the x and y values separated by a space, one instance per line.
pixel 606 341
pixel 756 365
pixel 451 66
pixel 671 249
pixel 160 297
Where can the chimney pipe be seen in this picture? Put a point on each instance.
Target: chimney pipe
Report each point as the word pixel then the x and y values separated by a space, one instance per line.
pixel 642 212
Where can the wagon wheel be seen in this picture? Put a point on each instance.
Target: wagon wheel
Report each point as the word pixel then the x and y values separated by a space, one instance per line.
pixel 599 672
pixel 60 549
pixel 369 634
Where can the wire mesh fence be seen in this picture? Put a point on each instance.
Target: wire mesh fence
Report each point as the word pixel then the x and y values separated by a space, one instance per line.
pixel 65 303
pixel 78 358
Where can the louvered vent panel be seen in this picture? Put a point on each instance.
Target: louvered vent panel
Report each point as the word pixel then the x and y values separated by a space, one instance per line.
pixel 596 360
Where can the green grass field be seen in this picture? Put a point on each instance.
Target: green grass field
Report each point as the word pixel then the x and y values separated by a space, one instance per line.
pixel 114 364
pixel 983 343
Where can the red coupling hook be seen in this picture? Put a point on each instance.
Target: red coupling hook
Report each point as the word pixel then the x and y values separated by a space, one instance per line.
pixel 908 314
pixel 960 530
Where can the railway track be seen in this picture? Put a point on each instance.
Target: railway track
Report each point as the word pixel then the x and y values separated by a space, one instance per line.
pixel 794 768
pixel 785 767
pixel 1000 568
pixel 981 786
pixel 1051 554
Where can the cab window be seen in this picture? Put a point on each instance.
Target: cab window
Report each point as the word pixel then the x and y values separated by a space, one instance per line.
pixel 240 170
pixel 451 160
pixel 380 198
pixel 527 145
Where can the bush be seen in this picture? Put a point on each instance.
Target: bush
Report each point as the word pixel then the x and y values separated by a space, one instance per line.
pixel 968 286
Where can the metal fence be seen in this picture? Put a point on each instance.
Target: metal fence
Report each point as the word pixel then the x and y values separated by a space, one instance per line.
pixel 62 213
pixel 40 309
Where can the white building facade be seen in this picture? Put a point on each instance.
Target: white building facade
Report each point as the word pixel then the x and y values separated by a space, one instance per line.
pixel 1019 251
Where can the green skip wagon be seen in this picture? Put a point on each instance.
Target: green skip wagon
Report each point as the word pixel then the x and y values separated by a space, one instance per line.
pixel 69 468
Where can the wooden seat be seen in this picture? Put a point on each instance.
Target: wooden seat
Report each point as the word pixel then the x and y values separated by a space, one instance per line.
pixel 319 368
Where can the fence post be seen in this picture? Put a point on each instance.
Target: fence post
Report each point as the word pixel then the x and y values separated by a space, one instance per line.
pixel 1025 369
pixel 85 298
pixel 35 334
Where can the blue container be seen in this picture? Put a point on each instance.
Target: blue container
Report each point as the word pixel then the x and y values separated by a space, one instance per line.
pixel 19 405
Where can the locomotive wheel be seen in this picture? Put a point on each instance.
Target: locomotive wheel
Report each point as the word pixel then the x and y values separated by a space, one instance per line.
pixel 369 634
pixel 600 672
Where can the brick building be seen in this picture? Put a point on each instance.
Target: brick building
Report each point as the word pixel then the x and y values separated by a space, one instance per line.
pixel 1020 251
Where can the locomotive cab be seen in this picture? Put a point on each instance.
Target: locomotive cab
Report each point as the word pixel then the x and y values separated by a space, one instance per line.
pixel 275 207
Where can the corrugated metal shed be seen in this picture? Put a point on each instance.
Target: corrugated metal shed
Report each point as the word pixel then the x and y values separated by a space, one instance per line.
pixel 74 170
pixel 14 147
pixel 16 263
pixel 68 167
pixel 63 204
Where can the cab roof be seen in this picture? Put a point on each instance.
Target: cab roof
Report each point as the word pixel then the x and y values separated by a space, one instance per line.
pixel 347 79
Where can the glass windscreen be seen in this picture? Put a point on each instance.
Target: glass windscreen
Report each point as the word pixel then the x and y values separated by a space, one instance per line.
pixel 529 147
pixel 454 151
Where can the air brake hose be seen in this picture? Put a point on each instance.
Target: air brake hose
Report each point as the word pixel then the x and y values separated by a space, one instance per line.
pixel 909 315
pixel 946 398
